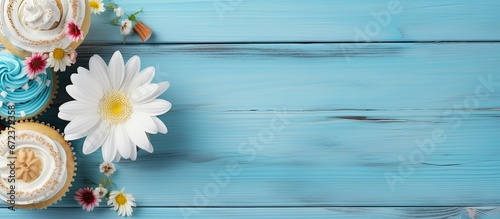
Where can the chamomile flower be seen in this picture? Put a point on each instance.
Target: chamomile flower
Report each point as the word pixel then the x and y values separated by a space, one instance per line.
pixel 122 202
pixel 59 58
pixel 96 6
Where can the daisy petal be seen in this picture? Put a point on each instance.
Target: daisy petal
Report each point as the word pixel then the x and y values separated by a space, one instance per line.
pixel 80 95
pixel 144 77
pixel 90 85
pixel 81 126
pixel 132 68
pixel 144 122
pixel 162 87
pixel 117 158
pixel 116 70
pixel 83 71
pixel 133 155
pixel 99 71
pixel 160 125
pixel 66 116
pixel 154 108
pixel 96 138
pixel 76 108
pixel 108 148
pixel 139 137
pixel 121 142
pixel 143 93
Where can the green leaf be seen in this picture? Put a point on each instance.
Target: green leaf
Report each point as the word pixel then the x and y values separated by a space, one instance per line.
pixel 88 181
pixel 133 17
pixel 110 6
pixel 115 21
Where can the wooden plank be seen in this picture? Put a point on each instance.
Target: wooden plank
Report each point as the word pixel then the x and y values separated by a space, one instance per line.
pixel 278 213
pixel 333 131
pixel 190 21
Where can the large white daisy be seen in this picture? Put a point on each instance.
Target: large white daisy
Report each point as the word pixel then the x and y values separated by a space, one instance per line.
pixel 115 106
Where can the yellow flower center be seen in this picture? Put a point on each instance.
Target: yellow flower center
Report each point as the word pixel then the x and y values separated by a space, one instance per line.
pixel 115 107
pixel 94 5
pixel 58 54
pixel 121 199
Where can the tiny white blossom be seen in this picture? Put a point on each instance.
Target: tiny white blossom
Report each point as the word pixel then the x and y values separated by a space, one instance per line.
pixel 126 27
pixel 107 168
pixel 101 191
pixel 118 11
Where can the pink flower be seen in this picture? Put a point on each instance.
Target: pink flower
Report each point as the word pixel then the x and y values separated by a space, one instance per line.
pixel 87 198
pixel 35 65
pixel 73 31
pixel 72 56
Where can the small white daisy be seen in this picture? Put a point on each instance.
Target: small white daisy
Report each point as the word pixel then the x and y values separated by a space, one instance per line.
pixel 122 202
pixel 96 6
pixel 59 58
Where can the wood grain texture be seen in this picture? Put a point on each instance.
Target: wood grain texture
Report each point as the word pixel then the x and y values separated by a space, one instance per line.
pixel 299 125
pixel 268 123
pixel 192 21
pixel 274 213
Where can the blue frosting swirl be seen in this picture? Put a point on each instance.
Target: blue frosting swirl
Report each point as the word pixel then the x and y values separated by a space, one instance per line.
pixel 29 96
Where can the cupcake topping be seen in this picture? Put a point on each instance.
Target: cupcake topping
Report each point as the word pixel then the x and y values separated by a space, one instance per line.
pixel 41 14
pixel 28 166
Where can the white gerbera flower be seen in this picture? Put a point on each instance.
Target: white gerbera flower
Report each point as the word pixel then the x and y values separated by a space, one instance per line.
pixel 115 107
pixel 121 201
pixel 59 58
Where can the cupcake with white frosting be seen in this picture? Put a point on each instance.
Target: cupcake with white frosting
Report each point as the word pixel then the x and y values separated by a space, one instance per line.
pixel 38 169
pixel 41 26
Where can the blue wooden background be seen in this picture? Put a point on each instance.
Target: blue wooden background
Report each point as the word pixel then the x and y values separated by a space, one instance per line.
pixel 310 109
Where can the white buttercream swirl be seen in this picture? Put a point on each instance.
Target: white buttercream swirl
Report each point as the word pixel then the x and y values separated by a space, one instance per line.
pixel 41 14
pixel 38 25
pixel 53 174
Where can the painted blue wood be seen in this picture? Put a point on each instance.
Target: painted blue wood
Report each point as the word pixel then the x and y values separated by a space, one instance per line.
pixel 272 213
pixel 354 114
pixel 351 126
pixel 190 21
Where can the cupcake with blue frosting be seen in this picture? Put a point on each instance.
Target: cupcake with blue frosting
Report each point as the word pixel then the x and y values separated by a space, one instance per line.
pixel 24 95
